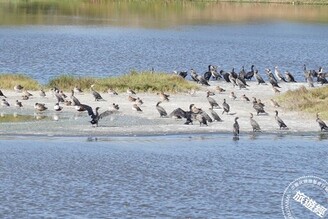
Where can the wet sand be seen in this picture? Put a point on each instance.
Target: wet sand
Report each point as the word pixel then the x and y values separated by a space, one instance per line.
pixel 69 122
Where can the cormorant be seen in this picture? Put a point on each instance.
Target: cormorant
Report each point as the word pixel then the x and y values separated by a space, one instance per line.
pixel 95 94
pixel 254 124
pixel 136 108
pixel 194 75
pixel 236 127
pixel 258 78
pixel 289 77
pixel 233 95
pixel 95 116
pixel 75 101
pixel 281 123
pixel 130 91
pixel 215 116
pixel 211 101
pixel 161 110
pixel 18 104
pixel 250 74
pixel 322 124
pixel 111 91
pixel 226 107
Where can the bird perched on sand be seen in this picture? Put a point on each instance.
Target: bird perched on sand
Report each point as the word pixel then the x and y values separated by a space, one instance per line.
pixel 278 74
pixel 220 89
pixel 215 116
pixel 232 95
pixel 244 98
pixel 4 103
pixel 18 88
pixel 161 110
pixel 130 91
pixel 259 78
pixel 226 107
pixel 42 93
pixel 280 122
pixel 77 90
pixel 111 91
pixel 95 94
pixel 211 101
pixel 274 103
pixel 135 107
pixel 163 96
pixel 2 95
pixel 322 124
pixel 57 107
pixel 254 124
pixel 18 104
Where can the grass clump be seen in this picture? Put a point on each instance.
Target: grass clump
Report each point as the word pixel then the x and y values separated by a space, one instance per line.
pixel 8 81
pixel 139 81
pixel 311 101
pixel 148 82
pixel 67 82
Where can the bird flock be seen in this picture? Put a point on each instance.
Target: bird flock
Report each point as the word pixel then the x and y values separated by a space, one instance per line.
pixel 212 81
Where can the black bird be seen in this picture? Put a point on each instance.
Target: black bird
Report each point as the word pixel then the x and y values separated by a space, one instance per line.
pixel 289 77
pixel 2 95
pixel 250 74
pixel 95 94
pixel 95 116
pixel 75 101
pixel 201 119
pixel 322 124
pixel 258 107
pixel 236 127
pixel 226 107
pixel 161 110
pixel 281 123
pixel 194 75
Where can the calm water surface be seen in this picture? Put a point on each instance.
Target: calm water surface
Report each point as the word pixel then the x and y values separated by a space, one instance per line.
pixel 47 51
pixel 200 176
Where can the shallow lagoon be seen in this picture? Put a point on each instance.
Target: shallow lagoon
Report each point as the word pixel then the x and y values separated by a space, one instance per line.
pixel 183 176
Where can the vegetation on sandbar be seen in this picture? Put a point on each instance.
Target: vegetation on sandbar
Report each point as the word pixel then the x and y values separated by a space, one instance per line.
pixel 306 100
pixel 139 81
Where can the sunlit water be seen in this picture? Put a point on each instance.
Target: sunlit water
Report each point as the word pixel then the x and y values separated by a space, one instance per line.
pixel 43 52
pixel 197 176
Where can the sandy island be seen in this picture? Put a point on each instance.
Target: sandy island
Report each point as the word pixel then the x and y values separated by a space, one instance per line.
pixel 69 122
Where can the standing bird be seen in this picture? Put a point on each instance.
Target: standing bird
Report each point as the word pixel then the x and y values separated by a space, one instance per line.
pixel 161 110
pixel 111 91
pixel 289 77
pixel 281 123
pixel 233 95
pixel 250 74
pixel 130 91
pixel 95 94
pixel 274 103
pixel 259 78
pixel 211 101
pixel 136 108
pixel 322 124
pixel 220 89
pixel 42 93
pixel 226 107
pixel 254 124
pixel 75 101
pixel 235 130
pixel 215 116
pixel 278 74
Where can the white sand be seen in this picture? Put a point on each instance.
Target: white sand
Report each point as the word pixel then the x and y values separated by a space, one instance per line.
pixel 129 122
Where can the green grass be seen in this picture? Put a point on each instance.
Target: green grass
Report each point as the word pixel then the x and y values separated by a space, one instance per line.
pixel 8 81
pixel 139 81
pixel 306 100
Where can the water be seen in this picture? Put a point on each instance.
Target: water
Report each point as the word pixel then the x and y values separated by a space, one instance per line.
pixel 198 176
pixel 43 52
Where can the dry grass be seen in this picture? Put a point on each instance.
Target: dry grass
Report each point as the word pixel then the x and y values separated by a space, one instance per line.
pixel 141 82
pixel 310 101
pixel 8 81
